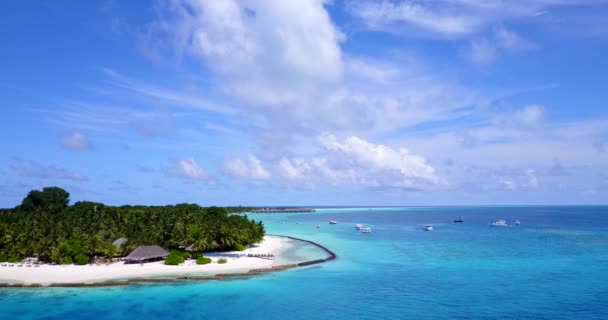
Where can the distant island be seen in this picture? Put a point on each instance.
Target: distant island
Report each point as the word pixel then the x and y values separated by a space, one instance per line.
pixel 47 241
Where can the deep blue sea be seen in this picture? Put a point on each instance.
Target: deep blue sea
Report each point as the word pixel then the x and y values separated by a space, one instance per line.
pixel 553 266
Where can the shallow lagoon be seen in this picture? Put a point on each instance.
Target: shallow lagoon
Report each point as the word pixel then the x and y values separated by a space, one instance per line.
pixel 553 266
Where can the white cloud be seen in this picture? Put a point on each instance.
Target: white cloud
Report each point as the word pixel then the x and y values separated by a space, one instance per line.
pixel 251 168
pixel 283 62
pixel 528 117
pixel 75 141
pixel 37 170
pixel 448 18
pixel 380 14
pixel 187 169
pixel 486 50
pixel 532 179
pixel 295 169
pixel 359 162
pixel 482 51
pixel 372 71
pixel 259 37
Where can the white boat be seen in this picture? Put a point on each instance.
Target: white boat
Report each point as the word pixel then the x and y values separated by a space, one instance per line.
pixel 499 223
pixel 517 222
pixel 366 230
pixel 333 222
pixel 359 226
pixel 428 227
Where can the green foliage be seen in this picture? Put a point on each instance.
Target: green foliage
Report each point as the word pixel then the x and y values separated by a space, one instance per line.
pixel 14 259
pixel 239 247
pixel 65 260
pixel 81 259
pixel 174 258
pixel 197 255
pixel 45 226
pixel 3 257
pixel 222 260
pixel 203 260
pixel 181 253
pixel 50 199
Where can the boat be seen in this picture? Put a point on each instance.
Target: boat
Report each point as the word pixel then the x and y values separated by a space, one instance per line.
pixel 359 226
pixel 461 219
pixel 499 223
pixel 318 226
pixel 517 222
pixel 428 227
pixel 333 222
pixel 366 230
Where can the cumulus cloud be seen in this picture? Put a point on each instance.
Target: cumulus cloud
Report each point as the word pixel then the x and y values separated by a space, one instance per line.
pixel 187 169
pixel 36 170
pixel 250 168
pixel 262 37
pixel 283 62
pixel 357 161
pixel 75 140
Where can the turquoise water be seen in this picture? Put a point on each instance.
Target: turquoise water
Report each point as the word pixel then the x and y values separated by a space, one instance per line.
pixel 553 266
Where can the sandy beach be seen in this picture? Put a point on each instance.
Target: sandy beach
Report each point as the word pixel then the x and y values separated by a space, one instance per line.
pixel 57 274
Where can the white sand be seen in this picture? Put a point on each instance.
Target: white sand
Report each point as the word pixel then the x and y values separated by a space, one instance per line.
pixel 47 274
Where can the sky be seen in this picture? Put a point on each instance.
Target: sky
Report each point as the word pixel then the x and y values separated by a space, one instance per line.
pixel 306 102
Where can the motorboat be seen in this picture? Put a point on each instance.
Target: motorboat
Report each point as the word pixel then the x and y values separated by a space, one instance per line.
pixel 459 220
pixel 333 222
pixel 517 222
pixel 428 227
pixel 359 226
pixel 366 230
pixel 499 223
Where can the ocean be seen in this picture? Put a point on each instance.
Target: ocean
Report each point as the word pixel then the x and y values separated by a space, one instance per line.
pixel 552 266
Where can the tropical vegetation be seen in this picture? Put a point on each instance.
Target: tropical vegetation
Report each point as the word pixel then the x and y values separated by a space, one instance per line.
pixel 46 226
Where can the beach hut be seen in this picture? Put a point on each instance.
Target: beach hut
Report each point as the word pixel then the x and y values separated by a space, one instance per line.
pixel 146 254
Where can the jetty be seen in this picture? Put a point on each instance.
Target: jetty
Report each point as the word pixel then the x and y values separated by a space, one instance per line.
pixel 282 210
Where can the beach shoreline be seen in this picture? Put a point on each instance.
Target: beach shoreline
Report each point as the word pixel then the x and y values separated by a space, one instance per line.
pixel 122 274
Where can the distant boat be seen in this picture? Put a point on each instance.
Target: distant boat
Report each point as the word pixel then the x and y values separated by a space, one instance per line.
pixel 499 223
pixel 366 230
pixel 359 226
pixel 318 226
pixel 461 219
pixel 333 222
pixel 428 227
pixel 517 222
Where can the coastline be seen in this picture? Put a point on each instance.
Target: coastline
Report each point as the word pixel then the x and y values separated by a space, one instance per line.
pixel 124 274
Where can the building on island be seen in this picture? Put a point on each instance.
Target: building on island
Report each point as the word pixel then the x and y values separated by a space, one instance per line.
pixel 146 254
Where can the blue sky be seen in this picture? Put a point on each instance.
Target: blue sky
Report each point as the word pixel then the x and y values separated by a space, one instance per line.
pixel 351 102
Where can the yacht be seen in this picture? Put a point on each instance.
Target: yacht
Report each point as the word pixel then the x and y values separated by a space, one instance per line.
pixel 428 227
pixel 517 222
pixel 366 230
pixel 333 222
pixel 461 219
pixel 499 223
pixel 359 226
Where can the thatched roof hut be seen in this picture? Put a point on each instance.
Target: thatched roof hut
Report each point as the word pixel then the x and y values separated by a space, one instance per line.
pixel 146 254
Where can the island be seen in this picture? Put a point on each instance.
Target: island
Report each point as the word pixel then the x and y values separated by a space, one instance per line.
pixel 46 241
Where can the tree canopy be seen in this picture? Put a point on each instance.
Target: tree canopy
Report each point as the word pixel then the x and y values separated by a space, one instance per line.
pixel 50 199
pixel 44 225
